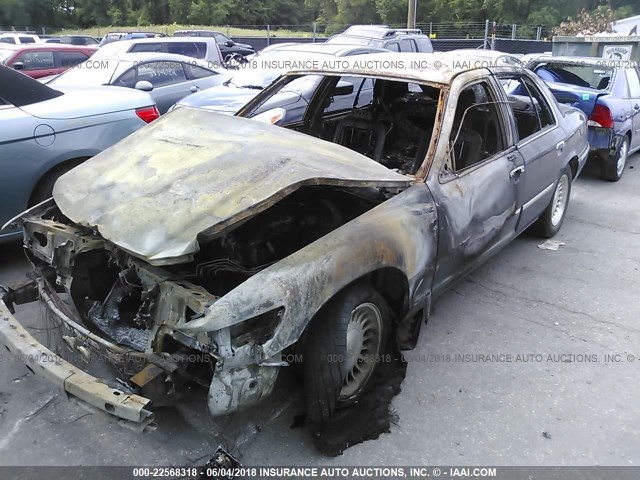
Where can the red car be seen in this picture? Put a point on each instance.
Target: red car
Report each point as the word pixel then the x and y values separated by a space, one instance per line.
pixel 43 59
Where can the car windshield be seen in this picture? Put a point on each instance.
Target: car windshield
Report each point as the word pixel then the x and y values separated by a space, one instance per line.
pixel 5 54
pixel 88 73
pixel 347 40
pixel 590 76
pixel 339 108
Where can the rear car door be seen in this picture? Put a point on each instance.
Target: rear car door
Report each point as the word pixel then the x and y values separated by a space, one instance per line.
pixel 633 81
pixel 540 141
pixel 478 190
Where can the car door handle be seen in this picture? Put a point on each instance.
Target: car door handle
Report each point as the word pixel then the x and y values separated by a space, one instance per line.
pixel 560 146
pixel 516 171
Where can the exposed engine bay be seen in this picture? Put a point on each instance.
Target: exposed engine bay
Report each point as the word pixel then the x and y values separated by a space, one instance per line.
pixel 132 304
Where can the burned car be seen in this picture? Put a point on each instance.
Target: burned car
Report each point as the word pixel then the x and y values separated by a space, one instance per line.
pixel 206 248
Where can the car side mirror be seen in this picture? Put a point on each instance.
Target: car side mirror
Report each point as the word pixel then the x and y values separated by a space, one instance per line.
pixel 144 86
pixel 229 43
pixel 18 66
pixel 343 88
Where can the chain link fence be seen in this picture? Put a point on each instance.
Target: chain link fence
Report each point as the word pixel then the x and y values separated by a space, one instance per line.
pixel 511 38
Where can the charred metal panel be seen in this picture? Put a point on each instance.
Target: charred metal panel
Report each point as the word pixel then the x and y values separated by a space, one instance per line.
pixel 198 172
pixel 477 208
pixel 400 233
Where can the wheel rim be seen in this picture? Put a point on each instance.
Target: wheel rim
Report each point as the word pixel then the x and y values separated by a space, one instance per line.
pixel 622 157
pixel 560 198
pixel 364 337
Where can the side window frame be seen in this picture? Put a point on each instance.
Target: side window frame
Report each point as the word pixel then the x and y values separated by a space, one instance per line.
pixel 413 47
pixel 187 67
pixel 20 59
pixel 529 84
pixel 394 43
pixel 503 124
pixel 132 69
pixel 524 81
pixel 59 62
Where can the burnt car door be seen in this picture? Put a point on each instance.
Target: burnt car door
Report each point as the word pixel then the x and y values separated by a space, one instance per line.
pixel 539 139
pixel 477 186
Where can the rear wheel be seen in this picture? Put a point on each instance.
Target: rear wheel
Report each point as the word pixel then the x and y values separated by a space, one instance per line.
pixel 613 167
pixel 549 223
pixel 343 348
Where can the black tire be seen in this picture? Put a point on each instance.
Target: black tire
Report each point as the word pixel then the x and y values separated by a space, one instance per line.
pixel 325 350
pixel 44 189
pixel 613 167
pixel 549 223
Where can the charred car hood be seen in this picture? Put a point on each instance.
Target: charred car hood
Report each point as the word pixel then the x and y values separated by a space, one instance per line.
pixel 196 172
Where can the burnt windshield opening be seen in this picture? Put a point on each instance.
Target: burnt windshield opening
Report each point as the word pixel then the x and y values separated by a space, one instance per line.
pixel 390 121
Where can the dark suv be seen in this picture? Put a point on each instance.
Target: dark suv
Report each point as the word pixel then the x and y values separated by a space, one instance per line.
pixel 227 46
pixel 394 39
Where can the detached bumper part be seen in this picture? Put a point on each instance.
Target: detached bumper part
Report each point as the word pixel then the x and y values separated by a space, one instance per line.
pixel 69 379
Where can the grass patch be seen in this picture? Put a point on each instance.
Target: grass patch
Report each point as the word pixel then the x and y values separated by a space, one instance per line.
pixel 170 29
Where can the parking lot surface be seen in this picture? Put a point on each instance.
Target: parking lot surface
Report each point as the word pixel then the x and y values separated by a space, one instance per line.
pixel 532 360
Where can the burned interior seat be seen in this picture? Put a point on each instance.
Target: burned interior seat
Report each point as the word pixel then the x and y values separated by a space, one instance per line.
pixel 360 129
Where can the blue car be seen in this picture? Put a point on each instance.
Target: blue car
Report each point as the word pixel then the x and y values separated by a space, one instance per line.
pixel 608 92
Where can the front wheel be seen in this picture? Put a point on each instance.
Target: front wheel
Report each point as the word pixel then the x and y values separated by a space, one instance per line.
pixel 613 167
pixel 343 348
pixel 549 223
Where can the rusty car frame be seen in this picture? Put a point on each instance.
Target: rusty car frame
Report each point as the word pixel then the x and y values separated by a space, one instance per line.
pixel 203 248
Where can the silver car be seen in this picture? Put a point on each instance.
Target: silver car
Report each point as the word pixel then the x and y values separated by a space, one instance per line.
pixel 45 132
pixel 205 49
pixel 168 78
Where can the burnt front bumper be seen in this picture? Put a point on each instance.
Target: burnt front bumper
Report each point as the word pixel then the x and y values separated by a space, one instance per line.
pixel 76 384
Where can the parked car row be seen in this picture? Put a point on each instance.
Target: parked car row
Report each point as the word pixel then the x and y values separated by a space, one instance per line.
pixel 167 77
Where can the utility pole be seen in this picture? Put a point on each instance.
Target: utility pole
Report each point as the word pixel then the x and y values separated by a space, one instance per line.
pixel 411 14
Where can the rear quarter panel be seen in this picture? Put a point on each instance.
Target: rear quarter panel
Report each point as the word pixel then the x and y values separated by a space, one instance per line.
pixel 25 158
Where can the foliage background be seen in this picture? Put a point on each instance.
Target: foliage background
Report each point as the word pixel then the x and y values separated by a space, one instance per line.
pixel 333 14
